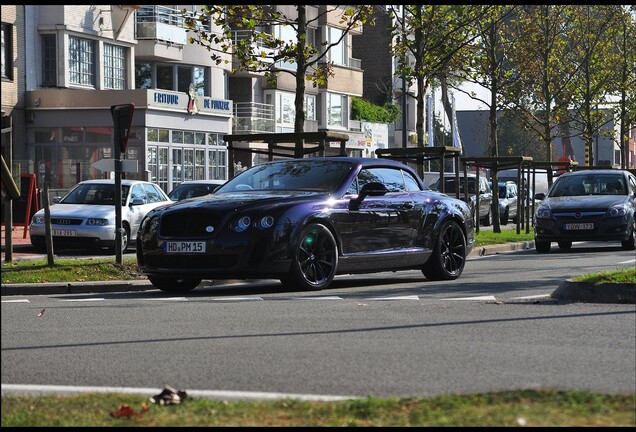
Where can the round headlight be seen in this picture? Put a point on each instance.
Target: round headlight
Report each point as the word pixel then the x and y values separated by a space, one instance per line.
pixel 242 224
pixel 543 213
pixel 617 210
pixel 266 222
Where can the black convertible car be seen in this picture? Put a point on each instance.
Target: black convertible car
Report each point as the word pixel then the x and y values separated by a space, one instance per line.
pixel 303 221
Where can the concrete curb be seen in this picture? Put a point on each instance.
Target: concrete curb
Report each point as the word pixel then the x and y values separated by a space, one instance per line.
pixel 76 287
pixel 601 293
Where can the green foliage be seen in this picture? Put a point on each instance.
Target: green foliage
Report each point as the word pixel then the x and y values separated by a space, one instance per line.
pixel 362 109
pixel 542 407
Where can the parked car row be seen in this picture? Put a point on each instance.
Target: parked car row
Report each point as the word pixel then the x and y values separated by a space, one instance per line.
pixel 304 221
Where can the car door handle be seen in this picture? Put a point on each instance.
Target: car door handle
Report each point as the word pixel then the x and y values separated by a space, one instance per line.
pixel 408 205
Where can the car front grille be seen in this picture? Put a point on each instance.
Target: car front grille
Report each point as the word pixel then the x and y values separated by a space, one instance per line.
pixel 188 224
pixel 591 216
pixel 66 221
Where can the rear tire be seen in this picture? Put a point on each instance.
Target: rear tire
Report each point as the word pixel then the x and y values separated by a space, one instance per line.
pixel 314 260
pixel 174 285
pixel 449 254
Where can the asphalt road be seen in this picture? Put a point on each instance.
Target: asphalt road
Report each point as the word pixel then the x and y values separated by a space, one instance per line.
pixel 388 334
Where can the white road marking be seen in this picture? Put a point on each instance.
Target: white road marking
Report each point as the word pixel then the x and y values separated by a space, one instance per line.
pixel 628 261
pixel 206 394
pixel 531 297
pixel 473 298
pixel 318 298
pixel 168 299
pixel 84 299
pixel 236 298
pixel 411 297
pixel 16 301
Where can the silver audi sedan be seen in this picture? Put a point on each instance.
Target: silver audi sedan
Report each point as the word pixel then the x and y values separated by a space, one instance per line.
pixel 84 218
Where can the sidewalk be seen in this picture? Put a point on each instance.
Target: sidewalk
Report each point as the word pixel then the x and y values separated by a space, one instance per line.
pixel 21 243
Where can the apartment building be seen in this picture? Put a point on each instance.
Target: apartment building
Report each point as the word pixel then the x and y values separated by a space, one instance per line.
pixel 74 63
pixel 82 60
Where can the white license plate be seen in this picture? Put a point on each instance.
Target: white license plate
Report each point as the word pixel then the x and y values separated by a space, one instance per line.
pixel 64 233
pixel 184 247
pixel 578 226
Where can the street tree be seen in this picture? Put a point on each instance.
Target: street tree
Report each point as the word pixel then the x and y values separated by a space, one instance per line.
pixel 274 40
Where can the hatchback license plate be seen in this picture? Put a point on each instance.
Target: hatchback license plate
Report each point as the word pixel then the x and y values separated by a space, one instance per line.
pixel 184 247
pixel 64 233
pixel 578 226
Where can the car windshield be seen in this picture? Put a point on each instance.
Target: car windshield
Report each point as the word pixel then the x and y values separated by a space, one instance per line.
pixel 185 191
pixel 314 175
pixel 591 184
pixel 94 194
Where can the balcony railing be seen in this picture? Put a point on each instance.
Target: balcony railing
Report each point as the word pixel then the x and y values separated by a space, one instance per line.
pixel 251 117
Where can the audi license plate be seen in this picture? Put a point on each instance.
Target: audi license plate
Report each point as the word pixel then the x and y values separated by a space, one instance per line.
pixel 184 247
pixel 578 226
pixel 64 233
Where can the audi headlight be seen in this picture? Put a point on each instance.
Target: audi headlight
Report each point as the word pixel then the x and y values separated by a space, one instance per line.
pixel 543 213
pixel 96 222
pixel 37 220
pixel 617 210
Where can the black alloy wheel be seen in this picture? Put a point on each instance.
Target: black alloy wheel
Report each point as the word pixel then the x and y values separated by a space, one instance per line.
pixel 314 260
pixel 449 254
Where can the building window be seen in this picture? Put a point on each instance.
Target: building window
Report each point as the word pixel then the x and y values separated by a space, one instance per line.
pixel 7 51
pixel 335 109
pixel 114 67
pixel 49 60
pixel 81 61
pixel 338 52
pixel 310 107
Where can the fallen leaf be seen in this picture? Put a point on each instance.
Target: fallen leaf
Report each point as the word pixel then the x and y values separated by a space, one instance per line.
pixel 41 313
pixel 123 411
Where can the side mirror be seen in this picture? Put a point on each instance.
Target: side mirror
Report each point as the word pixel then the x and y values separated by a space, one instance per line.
pixel 539 196
pixel 369 189
pixel 56 199
pixel 138 201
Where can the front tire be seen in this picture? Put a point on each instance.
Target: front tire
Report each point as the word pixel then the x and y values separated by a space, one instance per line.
pixel 449 254
pixel 174 285
pixel 314 260
pixel 487 220
pixel 504 218
pixel 565 244
pixel 542 246
pixel 630 243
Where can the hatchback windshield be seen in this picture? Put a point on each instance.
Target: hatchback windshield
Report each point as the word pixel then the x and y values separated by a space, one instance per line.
pixel 591 184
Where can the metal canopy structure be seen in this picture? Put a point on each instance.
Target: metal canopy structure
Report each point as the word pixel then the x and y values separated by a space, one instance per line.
pixel 497 163
pixel 289 145
pixel 419 155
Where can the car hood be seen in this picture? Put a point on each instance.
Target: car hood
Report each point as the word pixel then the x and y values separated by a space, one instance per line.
pixel 234 200
pixel 80 211
pixel 584 202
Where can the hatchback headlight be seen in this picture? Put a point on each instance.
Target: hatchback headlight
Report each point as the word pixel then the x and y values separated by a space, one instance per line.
pixel 543 213
pixel 37 220
pixel 96 222
pixel 617 210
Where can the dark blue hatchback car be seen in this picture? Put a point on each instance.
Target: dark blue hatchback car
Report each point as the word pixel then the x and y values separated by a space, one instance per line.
pixel 587 205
